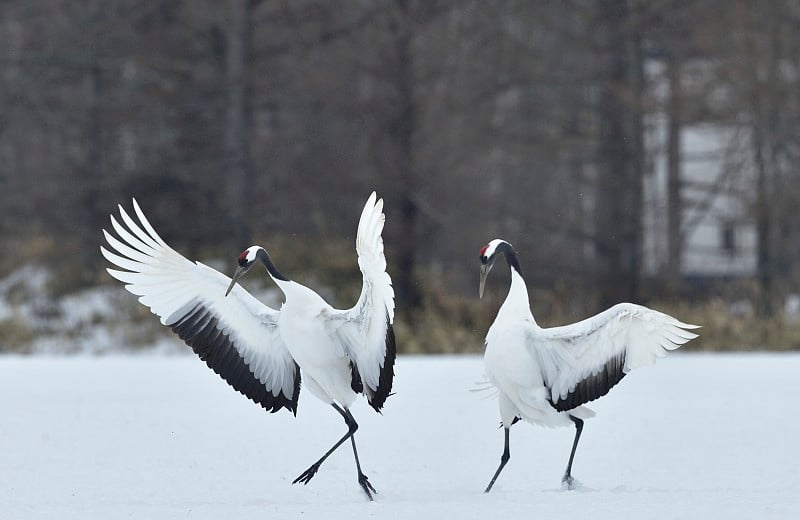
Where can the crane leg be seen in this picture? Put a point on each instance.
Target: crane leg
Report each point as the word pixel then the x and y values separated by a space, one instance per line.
pixel 352 426
pixel 567 479
pixel 503 458
pixel 362 479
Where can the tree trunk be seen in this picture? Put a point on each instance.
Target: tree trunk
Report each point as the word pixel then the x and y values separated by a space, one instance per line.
pixel 238 174
pixel 402 132
pixel 763 224
pixel 621 161
pixel 674 167
pixel 93 182
pixel 766 143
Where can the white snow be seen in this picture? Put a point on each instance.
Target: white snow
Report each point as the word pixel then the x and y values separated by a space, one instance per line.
pixel 155 437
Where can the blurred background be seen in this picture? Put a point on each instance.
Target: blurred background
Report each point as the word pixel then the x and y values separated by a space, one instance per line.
pixel 631 150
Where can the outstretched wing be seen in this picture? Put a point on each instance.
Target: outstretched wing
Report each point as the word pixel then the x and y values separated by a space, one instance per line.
pixel 365 330
pixel 583 361
pixel 237 336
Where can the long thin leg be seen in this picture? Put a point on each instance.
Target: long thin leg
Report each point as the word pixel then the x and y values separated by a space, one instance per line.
pixel 308 474
pixel 362 479
pixel 503 459
pixel 352 426
pixel 567 479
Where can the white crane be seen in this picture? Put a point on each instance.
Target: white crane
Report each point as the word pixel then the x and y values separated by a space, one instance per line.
pixel 546 375
pixel 260 351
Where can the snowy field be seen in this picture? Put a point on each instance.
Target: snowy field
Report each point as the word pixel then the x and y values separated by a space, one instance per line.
pixel 153 437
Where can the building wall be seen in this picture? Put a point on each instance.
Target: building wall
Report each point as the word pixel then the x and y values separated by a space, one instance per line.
pixel 720 237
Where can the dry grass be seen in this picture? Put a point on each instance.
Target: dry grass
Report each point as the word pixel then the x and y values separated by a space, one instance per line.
pixel 726 329
pixel 15 336
pixel 445 323
pixel 458 325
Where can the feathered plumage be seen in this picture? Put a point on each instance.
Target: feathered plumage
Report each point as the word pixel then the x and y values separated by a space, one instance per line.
pixel 260 351
pixel 546 375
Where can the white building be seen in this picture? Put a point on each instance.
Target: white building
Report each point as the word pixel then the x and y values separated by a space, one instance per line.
pixel 718 185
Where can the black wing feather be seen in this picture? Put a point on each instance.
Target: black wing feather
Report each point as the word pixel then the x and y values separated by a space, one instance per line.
pixel 387 370
pixel 593 386
pixel 200 329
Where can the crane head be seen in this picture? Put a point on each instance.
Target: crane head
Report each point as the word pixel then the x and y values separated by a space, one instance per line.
pixel 246 260
pixel 488 254
pixel 487 262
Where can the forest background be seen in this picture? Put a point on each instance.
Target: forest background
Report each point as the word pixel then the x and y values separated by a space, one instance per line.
pixel 270 122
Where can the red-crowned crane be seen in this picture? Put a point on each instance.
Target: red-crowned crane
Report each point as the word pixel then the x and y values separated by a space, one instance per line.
pixel 545 375
pixel 260 351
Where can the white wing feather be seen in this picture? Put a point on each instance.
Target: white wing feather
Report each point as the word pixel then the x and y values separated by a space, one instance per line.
pixel 173 287
pixel 365 329
pixel 570 354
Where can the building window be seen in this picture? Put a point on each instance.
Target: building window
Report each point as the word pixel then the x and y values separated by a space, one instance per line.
pixel 728 237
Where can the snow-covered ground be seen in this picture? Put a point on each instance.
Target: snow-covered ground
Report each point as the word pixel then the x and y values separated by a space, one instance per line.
pixel 152 437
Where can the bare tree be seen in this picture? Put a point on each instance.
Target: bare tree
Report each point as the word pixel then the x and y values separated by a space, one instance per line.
pixel 766 98
pixel 473 119
pixel 238 107
pixel 674 168
pixel 621 153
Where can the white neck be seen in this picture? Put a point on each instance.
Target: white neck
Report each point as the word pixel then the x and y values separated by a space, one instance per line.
pixel 517 303
pixel 296 294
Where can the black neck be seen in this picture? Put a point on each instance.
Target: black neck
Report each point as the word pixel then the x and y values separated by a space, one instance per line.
pixel 511 256
pixel 271 269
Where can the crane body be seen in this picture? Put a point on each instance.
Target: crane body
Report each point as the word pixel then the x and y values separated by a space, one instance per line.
pixel 545 376
pixel 261 352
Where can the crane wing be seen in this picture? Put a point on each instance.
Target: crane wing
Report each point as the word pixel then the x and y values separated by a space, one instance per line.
pixel 583 361
pixel 366 330
pixel 237 336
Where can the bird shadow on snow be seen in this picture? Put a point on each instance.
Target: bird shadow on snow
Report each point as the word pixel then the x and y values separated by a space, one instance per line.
pixel 625 489
pixel 576 485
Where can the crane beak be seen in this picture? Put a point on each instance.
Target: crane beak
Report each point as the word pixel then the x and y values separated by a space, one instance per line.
pixel 238 274
pixel 485 268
